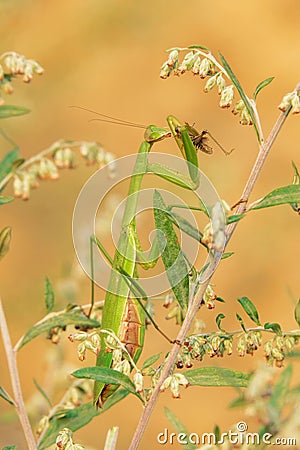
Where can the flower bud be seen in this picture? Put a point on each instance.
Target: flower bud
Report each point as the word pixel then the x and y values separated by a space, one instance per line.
pixel 18 187
pixel 220 83
pixel 81 350
pixel 173 58
pixel 8 88
pixel 211 82
pixel 205 68
pixel 296 104
pixel 187 62
pixel 286 101
pixel 226 97
pixel 174 386
pixel 165 71
pixel 196 66
pixel 1 72
pixel 138 381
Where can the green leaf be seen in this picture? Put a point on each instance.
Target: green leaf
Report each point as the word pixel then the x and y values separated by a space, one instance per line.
pixel 243 96
pixel 77 418
pixel 280 392
pixel 234 218
pixel 200 47
pixel 60 319
pixel 151 360
pixel 218 321
pixel 220 299
pixel 186 226
pixel 280 196
pixel 49 295
pixel 297 313
pixel 5 237
pixel 181 430
pixel 172 256
pixel 41 390
pixel 4 200
pixel 239 318
pixel 10 447
pixel 216 376
pixel 250 309
pixel 107 376
pixel 238 402
pixel 262 85
pixel 12 111
pixel 7 162
pixel 6 396
pixel 296 180
pixel 273 326
pixel 227 255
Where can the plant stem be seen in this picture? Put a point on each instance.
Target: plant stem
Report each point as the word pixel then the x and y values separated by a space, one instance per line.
pixel 15 381
pixel 196 301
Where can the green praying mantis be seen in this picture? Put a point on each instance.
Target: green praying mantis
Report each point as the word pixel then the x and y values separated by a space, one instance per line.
pixel 123 313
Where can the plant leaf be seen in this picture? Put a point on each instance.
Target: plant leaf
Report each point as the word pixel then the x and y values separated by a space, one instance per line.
pixel 181 430
pixel 280 196
pixel 243 96
pixel 220 299
pixel 235 218
pixel 12 111
pixel 297 313
pixel 186 226
pixel 296 180
pixel 6 396
pixel 60 319
pixel 227 255
pixel 7 162
pixel 77 418
pixel 250 309
pixel 150 361
pixel 4 200
pixel 5 237
pixel 216 376
pixel 239 318
pixel 218 321
pixel 108 376
pixel 10 447
pixel 49 295
pixel 171 254
pixel 273 326
pixel 262 85
pixel 200 47
pixel 41 390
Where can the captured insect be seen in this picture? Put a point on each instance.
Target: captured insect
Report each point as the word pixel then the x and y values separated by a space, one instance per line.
pixel 199 139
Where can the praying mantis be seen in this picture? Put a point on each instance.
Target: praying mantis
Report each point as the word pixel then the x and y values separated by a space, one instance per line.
pixel 123 314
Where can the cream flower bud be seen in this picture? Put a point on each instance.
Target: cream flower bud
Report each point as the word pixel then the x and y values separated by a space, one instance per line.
pixel 226 97
pixel 138 381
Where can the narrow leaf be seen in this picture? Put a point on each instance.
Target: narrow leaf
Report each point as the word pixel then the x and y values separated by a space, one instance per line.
pixel 49 295
pixel 273 326
pixel 238 402
pixel 151 360
pixel 181 430
pixel 12 111
pixel 296 180
pixel 216 376
pixel 7 162
pixel 235 218
pixel 186 226
pixel 297 313
pixel 280 196
pixel 241 322
pixel 218 321
pixel 250 309
pixel 10 447
pixel 280 391
pixel 41 390
pixel 200 47
pixel 4 200
pixel 77 418
pixel 53 320
pixel 172 257
pixel 243 96
pixel 106 375
pixel 6 396
pixel 220 299
pixel 227 255
pixel 262 85
pixel 5 237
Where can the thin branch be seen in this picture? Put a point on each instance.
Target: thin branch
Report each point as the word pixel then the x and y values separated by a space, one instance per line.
pixel 196 301
pixel 15 381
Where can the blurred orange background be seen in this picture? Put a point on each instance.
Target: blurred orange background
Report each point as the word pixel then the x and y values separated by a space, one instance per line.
pixel 106 55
